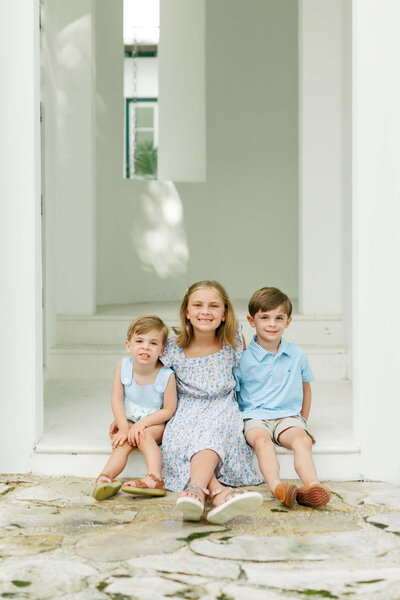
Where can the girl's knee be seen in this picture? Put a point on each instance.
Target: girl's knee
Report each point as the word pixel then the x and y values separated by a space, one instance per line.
pixel 125 448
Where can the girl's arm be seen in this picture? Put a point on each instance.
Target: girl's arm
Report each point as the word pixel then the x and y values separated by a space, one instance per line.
pixel 117 405
pixel 305 409
pixel 160 416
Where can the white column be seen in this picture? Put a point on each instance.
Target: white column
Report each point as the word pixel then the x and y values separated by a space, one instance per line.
pixel 376 233
pixel 182 112
pixel 320 156
pixel 20 255
pixel 69 126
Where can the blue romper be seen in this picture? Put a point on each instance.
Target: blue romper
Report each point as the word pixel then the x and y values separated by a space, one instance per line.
pixel 142 400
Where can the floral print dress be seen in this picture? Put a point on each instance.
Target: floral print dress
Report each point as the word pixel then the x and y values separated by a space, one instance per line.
pixel 207 417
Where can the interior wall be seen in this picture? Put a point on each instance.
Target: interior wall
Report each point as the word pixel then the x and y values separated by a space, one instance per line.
pixel 241 225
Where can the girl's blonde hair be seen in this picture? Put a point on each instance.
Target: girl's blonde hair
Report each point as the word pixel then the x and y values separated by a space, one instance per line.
pixel 226 331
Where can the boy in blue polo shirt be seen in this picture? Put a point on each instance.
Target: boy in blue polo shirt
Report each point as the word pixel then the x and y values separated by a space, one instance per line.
pixel 274 396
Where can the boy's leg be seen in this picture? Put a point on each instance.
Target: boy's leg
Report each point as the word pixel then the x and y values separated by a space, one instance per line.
pixel 261 441
pixel 313 493
pixel 298 440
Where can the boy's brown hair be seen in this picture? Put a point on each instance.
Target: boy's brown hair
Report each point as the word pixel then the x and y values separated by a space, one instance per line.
pixel 147 323
pixel 268 298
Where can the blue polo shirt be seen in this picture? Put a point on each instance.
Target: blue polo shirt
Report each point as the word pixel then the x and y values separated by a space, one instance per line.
pixel 270 386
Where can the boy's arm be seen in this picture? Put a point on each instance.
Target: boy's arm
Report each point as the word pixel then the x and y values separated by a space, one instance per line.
pixel 160 416
pixel 305 409
pixel 117 406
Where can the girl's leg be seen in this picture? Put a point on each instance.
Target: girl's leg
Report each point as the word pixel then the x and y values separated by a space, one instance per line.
pixel 202 470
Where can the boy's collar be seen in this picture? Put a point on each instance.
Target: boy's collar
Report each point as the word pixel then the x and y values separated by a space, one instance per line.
pixel 259 352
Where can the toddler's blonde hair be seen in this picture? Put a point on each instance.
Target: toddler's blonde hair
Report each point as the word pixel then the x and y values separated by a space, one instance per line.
pixel 147 323
pixel 226 331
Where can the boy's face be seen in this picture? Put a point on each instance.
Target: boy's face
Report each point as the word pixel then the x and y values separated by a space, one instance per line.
pixel 145 348
pixel 270 324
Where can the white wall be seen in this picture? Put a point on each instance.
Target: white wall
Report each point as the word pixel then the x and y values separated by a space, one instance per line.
pixel 376 135
pixel 69 163
pixel 240 226
pixel 322 134
pixel 182 118
pixel 21 410
pixel 146 78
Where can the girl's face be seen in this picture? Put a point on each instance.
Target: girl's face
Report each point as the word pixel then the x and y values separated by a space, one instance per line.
pixel 205 310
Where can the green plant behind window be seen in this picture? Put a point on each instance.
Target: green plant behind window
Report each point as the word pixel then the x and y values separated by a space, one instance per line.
pixel 146 160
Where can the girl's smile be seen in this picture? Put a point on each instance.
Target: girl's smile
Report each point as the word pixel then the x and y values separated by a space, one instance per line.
pixel 205 309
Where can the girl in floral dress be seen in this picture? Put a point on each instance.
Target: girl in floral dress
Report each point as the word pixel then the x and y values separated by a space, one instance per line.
pixel 203 445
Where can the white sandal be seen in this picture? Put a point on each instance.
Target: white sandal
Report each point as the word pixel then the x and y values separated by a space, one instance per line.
pixel 238 502
pixel 192 508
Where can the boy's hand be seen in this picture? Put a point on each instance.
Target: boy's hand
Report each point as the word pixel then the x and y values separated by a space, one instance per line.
pixel 120 437
pixel 136 433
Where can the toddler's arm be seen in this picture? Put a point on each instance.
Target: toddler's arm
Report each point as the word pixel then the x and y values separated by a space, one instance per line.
pixel 137 431
pixel 305 409
pixel 117 405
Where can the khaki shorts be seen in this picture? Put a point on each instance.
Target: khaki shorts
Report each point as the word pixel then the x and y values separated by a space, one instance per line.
pixel 275 426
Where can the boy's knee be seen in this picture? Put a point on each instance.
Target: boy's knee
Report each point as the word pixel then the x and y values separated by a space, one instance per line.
pixel 261 441
pixel 302 441
pixel 126 447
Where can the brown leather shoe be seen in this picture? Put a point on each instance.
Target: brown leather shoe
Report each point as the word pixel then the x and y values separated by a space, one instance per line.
pixel 313 495
pixel 286 493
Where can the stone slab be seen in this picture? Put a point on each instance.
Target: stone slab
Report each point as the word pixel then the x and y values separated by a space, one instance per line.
pixel 138 539
pixel 307 547
pixel 388 521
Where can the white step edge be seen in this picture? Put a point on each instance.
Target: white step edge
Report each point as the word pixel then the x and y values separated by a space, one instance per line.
pixel 336 465
pixel 100 329
pixel 93 362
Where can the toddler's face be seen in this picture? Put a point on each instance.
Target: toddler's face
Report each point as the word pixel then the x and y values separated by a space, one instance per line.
pixel 270 324
pixel 145 348
pixel 205 310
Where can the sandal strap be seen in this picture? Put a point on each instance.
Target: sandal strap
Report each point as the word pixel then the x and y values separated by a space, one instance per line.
pixel 195 487
pixel 154 478
pixel 231 493
pixel 105 475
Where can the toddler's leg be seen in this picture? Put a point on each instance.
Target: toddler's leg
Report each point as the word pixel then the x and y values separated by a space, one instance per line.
pixel 313 493
pixel 264 447
pixel 118 459
pixel 149 446
pixel 106 486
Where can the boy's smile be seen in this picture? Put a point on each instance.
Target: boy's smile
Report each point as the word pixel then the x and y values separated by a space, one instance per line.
pixel 269 326
pixel 145 348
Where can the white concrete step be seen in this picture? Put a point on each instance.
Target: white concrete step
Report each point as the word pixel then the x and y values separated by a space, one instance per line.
pixel 99 362
pixel 78 414
pixel 110 323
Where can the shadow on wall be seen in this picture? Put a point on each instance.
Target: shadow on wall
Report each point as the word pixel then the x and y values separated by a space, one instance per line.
pixel 158 234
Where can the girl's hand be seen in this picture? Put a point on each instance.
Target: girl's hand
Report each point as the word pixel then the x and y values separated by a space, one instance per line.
pixel 120 437
pixel 136 433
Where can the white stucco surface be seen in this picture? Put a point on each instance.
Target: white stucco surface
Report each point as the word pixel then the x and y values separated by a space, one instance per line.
pixel 376 135
pixel 241 225
pixel 21 394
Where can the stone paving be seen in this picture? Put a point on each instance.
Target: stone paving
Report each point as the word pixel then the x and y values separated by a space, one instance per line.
pixel 58 542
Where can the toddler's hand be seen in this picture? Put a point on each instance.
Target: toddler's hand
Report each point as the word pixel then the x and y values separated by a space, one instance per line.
pixel 120 438
pixel 136 433
pixel 113 429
